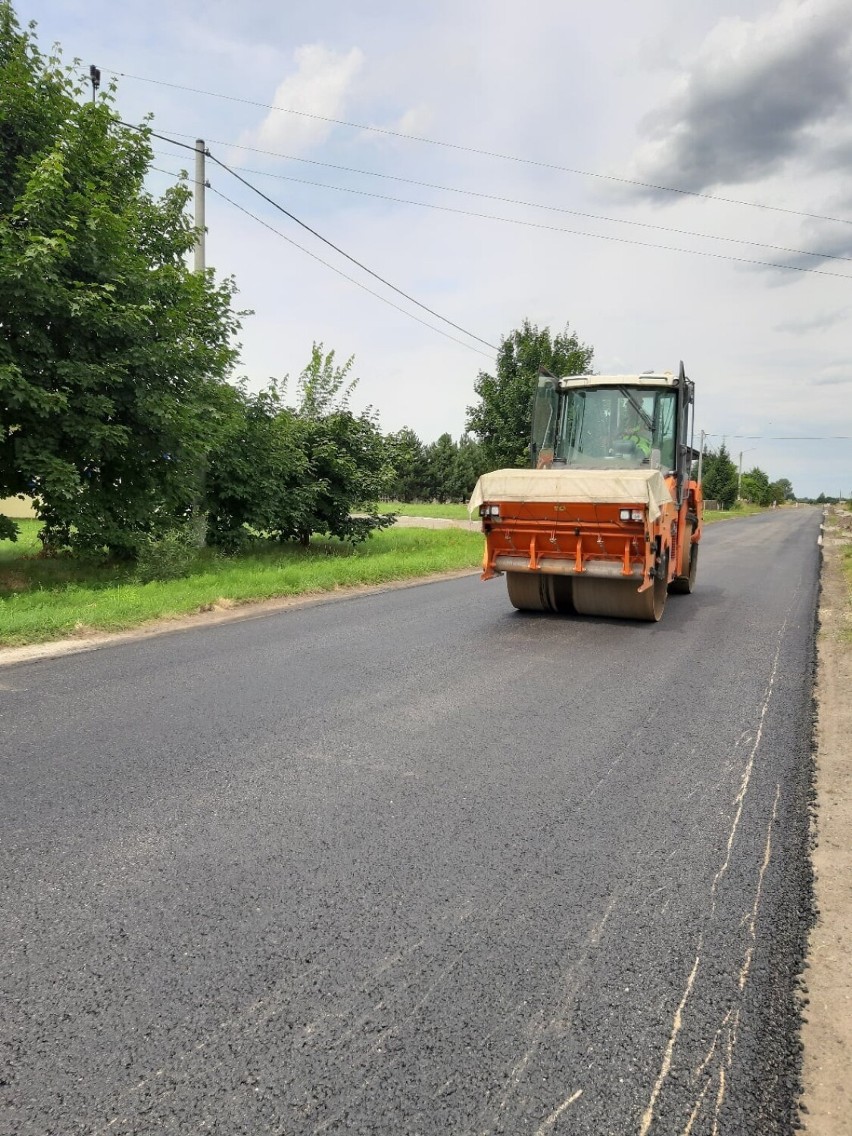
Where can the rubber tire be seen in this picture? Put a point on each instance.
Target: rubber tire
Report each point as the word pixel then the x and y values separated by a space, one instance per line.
pixel 684 584
pixel 534 591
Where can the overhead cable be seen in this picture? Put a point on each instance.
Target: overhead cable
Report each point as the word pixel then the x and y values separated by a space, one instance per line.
pixel 481 152
pixel 339 250
pixel 325 240
pixel 351 279
pixel 527 224
pixel 535 225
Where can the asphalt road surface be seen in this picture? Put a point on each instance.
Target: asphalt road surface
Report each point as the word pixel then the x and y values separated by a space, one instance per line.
pixel 416 863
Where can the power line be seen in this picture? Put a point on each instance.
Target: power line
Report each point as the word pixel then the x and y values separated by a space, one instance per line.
pixel 325 240
pixel 550 228
pixel 169 173
pixel 339 250
pixel 351 279
pixel 489 197
pixel 526 224
pixel 481 152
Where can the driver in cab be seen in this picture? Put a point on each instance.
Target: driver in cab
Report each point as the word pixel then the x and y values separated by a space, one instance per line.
pixel 637 436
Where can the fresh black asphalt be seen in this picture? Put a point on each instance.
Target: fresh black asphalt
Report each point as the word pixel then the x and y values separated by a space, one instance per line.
pixel 415 863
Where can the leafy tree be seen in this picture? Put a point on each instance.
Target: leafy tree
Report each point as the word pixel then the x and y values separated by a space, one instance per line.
pixel 286 473
pixel 111 350
pixel 349 473
pixel 782 490
pixel 259 480
pixel 406 456
pixel 346 455
pixel 755 487
pixel 470 463
pixel 441 458
pixel 502 419
pixel 720 477
pixel 324 388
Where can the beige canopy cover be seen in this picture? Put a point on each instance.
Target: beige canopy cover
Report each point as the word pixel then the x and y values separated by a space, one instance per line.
pixel 586 486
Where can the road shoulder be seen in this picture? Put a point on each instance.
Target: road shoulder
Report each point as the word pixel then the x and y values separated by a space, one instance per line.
pixel 827 1029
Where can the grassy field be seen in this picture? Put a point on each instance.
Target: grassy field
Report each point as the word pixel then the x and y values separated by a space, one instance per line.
pixel 42 600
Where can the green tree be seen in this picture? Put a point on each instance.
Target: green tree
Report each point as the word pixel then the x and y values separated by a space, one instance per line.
pixel 259 481
pixel 111 351
pixel 720 477
pixel 324 387
pixel 406 456
pixel 782 490
pixel 441 457
pixel 755 487
pixel 470 463
pixel 502 419
pixel 346 454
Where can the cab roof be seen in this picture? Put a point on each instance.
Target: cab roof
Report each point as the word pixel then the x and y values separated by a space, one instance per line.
pixel 651 379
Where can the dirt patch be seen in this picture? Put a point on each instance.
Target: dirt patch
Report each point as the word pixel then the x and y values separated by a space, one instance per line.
pixel 827 1030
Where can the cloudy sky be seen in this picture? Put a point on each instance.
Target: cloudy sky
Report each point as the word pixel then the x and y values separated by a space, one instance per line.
pixel 670 180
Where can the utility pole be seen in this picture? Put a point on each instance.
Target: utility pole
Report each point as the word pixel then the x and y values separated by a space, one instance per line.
pixel 701 457
pixel 740 478
pixel 200 151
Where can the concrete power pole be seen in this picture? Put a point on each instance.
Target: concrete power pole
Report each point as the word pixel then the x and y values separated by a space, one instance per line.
pixel 200 151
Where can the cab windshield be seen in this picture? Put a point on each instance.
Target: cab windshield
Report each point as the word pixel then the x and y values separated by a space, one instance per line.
pixel 609 427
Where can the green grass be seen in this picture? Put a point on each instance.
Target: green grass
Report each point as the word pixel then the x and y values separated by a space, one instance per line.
pixel 431 509
pixel 41 600
pixel 744 510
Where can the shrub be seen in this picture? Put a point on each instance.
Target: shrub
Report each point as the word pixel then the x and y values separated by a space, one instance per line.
pixel 168 556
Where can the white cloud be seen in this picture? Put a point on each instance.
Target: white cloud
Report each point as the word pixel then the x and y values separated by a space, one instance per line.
pixel 317 90
pixel 756 94
pixel 557 83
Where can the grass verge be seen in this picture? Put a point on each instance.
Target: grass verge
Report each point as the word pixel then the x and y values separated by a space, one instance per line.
pixel 430 509
pixel 840 524
pixel 711 515
pixel 41 600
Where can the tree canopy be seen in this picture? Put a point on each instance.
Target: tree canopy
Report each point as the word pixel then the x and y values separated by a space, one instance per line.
pixel 502 419
pixel 112 353
pixel 720 477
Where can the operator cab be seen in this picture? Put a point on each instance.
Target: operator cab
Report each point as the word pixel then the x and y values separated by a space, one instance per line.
pixel 612 422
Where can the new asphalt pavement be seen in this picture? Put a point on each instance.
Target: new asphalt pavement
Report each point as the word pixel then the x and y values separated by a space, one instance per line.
pixel 416 863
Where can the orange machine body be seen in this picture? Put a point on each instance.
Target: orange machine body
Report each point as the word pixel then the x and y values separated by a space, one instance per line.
pixel 570 539
pixel 601 553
